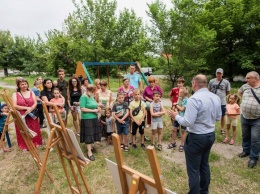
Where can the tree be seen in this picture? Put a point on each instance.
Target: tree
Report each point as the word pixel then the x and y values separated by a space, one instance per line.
pixel 238 34
pixel 180 37
pixel 6 43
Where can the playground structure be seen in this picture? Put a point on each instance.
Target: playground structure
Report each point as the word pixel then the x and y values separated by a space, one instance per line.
pixel 81 70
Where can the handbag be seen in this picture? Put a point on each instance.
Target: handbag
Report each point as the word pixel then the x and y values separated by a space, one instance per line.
pixel 218 86
pixel 257 99
pixel 137 109
pixel 34 112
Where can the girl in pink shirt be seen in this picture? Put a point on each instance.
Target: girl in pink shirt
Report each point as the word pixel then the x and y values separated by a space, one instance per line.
pixel 232 111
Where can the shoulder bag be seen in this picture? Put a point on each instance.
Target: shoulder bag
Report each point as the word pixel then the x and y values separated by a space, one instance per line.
pixel 218 86
pixel 35 111
pixel 257 99
pixel 137 109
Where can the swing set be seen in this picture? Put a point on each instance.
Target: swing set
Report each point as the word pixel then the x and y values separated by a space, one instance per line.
pixel 81 70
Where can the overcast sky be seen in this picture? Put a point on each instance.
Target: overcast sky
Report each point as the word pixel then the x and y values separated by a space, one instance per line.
pixel 28 17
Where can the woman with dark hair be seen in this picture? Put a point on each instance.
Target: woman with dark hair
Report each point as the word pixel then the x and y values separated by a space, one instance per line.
pixel 148 96
pixel 74 94
pixel 47 95
pixel 25 102
pixel 89 125
pixel 84 85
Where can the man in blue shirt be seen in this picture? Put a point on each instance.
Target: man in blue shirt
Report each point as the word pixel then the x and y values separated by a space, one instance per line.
pixel 135 78
pixel 202 111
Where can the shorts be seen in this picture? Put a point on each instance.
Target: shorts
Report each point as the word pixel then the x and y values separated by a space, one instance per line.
pixel 157 125
pixel 135 127
pixel 231 121
pixel 176 125
pixel 223 109
pixel 122 128
pixel 109 134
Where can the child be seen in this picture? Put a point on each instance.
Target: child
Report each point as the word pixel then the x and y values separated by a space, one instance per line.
pixel 36 90
pixel 232 111
pixel 56 93
pixel 137 117
pixel 110 125
pixel 157 110
pixel 120 112
pixel 181 108
pixel 174 94
pixel 3 116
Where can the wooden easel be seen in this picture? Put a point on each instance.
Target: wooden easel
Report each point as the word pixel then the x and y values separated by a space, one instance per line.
pixel 138 180
pixel 59 137
pixel 7 122
pixel 24 133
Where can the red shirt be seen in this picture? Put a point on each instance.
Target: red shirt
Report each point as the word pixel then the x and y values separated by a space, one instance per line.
pixel 175 94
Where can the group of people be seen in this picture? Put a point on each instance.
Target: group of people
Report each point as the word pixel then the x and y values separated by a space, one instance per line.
pixel 95 113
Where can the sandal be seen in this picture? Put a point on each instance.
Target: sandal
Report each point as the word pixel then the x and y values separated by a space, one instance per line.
pixel 231 142
pixel 225 140
pixel 122 146
pixel 159 147
pixel 181 148
pixel 126 148
pixel 171 145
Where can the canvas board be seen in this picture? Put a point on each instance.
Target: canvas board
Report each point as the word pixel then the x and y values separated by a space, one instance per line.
pixel 75 144
pixel 112 167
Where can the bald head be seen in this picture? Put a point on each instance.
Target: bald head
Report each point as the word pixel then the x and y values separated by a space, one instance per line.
pixel 198 82
pixel 253 74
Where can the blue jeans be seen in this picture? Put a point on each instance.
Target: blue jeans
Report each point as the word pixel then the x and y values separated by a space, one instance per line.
pixel 251 137
pixel 197 149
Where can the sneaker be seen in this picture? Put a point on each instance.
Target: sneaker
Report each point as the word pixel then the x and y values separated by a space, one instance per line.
pixel 143 146
pixel 159 147
pixel 134 146
pixel 146 138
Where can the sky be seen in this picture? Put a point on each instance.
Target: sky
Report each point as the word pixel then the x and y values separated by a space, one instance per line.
pixel 29 17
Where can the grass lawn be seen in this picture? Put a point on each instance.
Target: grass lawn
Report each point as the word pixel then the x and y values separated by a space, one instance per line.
pixel 229 174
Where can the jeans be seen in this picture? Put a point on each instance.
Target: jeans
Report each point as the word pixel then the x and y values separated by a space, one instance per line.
pixel 197 149
pixel 251 137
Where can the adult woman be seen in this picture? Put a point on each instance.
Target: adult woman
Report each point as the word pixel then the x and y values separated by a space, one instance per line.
pixel 74 94
pixel 148 96
pixel 127 90
pixel 47 95
pixel 84 85
pixel 89 127
pixel 104 99
pixel 25 102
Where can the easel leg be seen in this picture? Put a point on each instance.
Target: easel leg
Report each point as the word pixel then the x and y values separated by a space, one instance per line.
pixel 44 163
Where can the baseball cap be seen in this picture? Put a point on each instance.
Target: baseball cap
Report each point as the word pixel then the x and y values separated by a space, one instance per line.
pixel 3 105
pixel 219 70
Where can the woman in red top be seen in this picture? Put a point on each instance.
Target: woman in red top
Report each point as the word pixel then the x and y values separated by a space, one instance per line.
pixel 148 96
pixel 25 101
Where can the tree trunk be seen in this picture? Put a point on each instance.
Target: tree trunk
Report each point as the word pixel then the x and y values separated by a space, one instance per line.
pixel 5 71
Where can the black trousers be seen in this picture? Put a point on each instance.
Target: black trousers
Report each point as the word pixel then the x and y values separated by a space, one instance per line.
pixel 41 115
pixel 197 149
